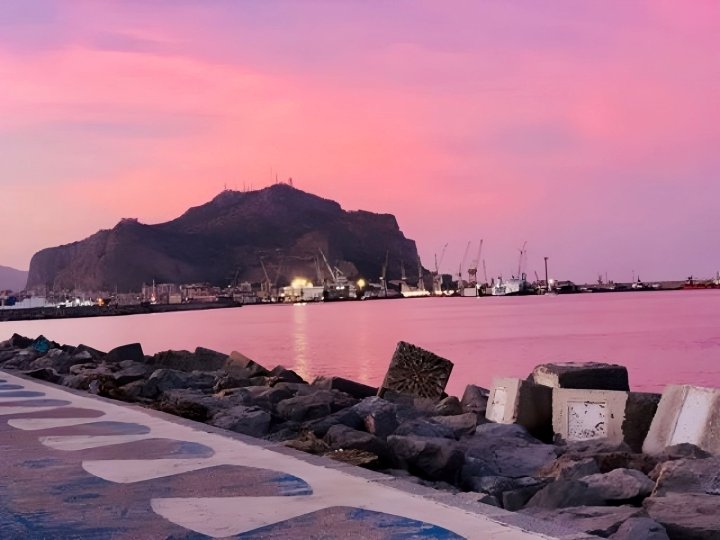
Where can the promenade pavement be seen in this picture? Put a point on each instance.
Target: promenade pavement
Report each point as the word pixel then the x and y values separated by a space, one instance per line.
pixel 79 466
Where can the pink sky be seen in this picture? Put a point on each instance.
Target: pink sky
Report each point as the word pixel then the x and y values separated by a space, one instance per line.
pixel 589 129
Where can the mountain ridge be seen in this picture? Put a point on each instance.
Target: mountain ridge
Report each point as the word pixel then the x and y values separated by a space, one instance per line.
pixel 12 279
pixel 224 239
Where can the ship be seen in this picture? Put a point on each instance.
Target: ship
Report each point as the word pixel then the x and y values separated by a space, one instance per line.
pixel 510 287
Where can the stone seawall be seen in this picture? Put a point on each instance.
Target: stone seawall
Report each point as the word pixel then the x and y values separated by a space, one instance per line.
pixel 564 445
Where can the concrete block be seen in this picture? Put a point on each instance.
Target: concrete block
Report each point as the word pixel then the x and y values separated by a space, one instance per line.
pixel 639 413
pixel 588 375
pixel 580 415
pixel 686 414
pixel 417 372
pixel 516 401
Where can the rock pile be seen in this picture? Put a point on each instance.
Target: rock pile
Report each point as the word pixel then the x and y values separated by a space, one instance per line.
pixel 601 486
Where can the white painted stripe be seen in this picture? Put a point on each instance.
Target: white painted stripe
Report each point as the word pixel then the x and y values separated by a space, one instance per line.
pixel 83 442
pixel 33 424
pixel 5 411
pixel 126 471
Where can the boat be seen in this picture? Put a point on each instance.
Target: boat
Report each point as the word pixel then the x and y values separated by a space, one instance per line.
pixel 510 287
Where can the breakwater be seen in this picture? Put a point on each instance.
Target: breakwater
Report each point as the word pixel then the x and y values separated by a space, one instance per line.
pixel 42 313
pixel 604 487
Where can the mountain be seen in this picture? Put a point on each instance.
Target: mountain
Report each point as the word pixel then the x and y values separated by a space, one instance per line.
pixel 225 239
pixel 12 279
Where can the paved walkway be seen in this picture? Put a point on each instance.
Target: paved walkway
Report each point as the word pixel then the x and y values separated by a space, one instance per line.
pixel 78 466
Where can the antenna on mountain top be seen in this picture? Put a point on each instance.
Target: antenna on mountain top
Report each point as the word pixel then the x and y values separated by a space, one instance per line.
pixel 290 181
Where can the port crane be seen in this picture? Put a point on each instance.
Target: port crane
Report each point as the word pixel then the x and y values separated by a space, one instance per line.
pixel 462 264
pixel 472 270
pixel 522 260
pixel 383 277
pixel 327 265
pixel 437 279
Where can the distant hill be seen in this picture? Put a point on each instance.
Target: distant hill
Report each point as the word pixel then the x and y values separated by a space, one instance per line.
pixel 12 279
pixel 225 239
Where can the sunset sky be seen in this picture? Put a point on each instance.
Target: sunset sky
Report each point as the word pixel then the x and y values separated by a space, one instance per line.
pixel 589 129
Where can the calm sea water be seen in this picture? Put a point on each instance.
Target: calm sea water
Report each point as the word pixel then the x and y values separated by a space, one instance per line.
pixel 662 337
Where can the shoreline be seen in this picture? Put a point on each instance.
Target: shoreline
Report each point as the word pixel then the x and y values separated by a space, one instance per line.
pixel 446 443
pixel 51 313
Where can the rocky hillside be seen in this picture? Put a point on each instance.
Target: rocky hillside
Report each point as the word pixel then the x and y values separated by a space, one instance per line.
pixel 225 239
pixel 12 279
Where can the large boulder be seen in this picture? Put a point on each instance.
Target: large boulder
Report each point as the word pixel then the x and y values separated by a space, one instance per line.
pixel 251 421
pixel 599 520
pixel 569 468
pixel 239 364
pixel 475 399
pixel 45 374
pixel 22 359
pixel 689 475
pixel 131 371
pixel 620 484
pixel 131 351
pixel 344 417
pixel 428 457
pixel 422 427
pixel 355 389
pixel 280 374
pixel 609 455
pixel 380 418
pixel 191 404
pixel 317 405
pixel 585 375
pixel 565 493
pixel 449 406
pixel 341 437
pixel 460 424
pixel 504 450
pixel 686 516
pixel 640 528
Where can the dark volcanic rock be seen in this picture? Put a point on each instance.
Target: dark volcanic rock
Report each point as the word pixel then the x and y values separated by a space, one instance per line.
pixel 686 516
pixel 251 421
pixel 281 375
pixel 215 240
pixel 689 475
pixel 191 404
pixel 45 374
pixel 428 457
pixel 569 468
pixel 346 438
pixel 316 405
pixel 475 399
pixel 640 528
pixel 564 493
pixel 504 450
pixel 422 427
pixel 620 484
pixel 450 406
pixel 132 351
pixel 355 389
pixel 599 520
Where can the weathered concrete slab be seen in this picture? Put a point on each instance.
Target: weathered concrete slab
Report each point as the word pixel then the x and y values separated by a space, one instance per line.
pixel 686 414
pixel 515 401
pixel 417 372
pixel 67 474
pixel 581 415
pixel 585 375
